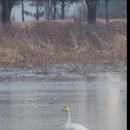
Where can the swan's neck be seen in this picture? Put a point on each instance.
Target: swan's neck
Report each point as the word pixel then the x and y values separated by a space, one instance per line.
pixel 69 118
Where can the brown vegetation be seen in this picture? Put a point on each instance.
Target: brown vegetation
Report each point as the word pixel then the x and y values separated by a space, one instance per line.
pixel 45 44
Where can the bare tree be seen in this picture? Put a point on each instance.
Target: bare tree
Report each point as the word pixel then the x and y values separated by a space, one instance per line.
pixel 50 10
pixel 54 9
pixel 106 6
pixel 92 10
pixel 6 10
pixel 23 10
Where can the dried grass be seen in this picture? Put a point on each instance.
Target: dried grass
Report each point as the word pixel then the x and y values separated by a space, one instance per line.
pixel 46 44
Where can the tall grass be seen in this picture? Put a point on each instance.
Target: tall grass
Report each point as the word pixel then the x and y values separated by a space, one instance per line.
pixel 46 44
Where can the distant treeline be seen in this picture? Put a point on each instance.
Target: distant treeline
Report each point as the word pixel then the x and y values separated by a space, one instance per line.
pixel 116 8
pixel 94 8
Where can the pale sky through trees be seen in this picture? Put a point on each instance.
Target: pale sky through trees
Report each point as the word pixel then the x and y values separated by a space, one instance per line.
pixel 16 11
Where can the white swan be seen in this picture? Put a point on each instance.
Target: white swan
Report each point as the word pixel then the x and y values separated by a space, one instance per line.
pixel 69 125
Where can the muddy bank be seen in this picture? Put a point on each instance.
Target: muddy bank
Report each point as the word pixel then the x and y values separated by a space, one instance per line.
pixel 57 72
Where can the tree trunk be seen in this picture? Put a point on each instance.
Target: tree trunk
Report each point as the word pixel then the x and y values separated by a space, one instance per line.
pixel 22 11
pixel 54 13
pixel 106 2
pixel 63 9
pixel 50 10
pixel 37 10
pixel 6 11
pixel 92 10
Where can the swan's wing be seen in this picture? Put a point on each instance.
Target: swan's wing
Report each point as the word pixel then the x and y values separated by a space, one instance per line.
pixel 76 127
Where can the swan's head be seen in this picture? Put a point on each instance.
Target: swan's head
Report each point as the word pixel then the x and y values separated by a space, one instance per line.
pixel 66 109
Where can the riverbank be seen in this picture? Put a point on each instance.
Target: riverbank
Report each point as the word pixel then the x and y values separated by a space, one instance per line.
pixel 56 73
pixel 58 48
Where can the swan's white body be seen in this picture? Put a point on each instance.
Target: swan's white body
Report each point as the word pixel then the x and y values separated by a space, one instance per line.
pixel 69 125
pixel 74 127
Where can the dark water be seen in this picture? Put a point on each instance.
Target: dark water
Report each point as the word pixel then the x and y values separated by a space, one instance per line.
pixel 97 102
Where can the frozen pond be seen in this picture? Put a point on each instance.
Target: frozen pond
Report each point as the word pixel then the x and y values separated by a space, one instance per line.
pixel 97 102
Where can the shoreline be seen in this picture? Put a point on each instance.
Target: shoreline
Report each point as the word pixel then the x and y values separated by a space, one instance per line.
pixel 56 73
